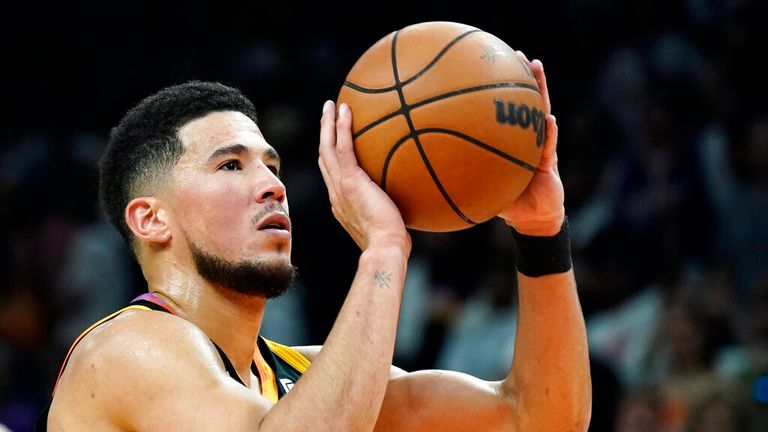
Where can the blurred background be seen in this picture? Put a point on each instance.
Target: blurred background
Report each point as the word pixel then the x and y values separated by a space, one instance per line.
pixel 663 153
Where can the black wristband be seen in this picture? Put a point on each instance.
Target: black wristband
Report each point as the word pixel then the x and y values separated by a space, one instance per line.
pixel 539 256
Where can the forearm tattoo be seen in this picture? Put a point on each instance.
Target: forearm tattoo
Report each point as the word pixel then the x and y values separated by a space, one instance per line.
pixel 382 278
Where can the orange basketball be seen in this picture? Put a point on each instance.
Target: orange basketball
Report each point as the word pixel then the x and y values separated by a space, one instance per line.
pixel 448 121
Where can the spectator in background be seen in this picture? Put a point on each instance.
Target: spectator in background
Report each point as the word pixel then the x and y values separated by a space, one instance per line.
pixel 639 411
pixel 481 341
pixel 682 362
pixel 734 162
pixel 668 336
pixel 40 242
pixel 720 412
pixel 743 362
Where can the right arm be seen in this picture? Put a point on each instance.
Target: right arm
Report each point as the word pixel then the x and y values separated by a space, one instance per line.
pixel 351 373
pixel 344 388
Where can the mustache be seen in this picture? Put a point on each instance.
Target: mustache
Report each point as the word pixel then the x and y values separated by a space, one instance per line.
pixel 271 207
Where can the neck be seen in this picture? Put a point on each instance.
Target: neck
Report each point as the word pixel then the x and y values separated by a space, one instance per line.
pixel 230 319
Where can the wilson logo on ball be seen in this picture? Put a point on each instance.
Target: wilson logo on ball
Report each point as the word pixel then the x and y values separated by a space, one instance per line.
pixel 521 115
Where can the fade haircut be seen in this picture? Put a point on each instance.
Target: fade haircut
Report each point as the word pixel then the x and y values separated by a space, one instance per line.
pixel 145 146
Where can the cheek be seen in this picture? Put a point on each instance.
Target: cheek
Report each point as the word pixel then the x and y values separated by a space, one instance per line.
pixel 213 215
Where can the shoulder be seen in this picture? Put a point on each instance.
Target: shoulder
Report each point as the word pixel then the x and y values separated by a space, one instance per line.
pixel 137 352
pixel 141 336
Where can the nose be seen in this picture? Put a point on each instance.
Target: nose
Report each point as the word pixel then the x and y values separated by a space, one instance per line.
pixel 271 188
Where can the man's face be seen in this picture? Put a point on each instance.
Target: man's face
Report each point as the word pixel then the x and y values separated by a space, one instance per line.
pixel 228 203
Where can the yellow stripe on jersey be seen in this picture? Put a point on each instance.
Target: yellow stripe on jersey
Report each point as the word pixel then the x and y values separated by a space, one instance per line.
pixel 266 377
pixel 290 355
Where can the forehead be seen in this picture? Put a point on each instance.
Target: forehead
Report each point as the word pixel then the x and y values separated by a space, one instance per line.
pixel 204 135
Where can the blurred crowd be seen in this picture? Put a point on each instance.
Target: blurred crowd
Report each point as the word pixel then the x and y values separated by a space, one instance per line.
pixel 663 153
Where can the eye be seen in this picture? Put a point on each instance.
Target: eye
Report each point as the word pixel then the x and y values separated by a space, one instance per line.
pixel 232 165
pixel 275 170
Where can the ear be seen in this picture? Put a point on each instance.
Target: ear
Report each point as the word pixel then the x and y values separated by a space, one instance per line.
pixel 147 220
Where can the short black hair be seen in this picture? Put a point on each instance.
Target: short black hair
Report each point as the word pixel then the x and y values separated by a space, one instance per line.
pixel 145 144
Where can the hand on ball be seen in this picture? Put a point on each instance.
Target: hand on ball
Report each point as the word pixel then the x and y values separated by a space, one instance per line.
pixel 360 205
pixel 540 209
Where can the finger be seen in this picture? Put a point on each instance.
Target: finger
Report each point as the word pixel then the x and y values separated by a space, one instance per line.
pixel 523 57
pixel 549 153
pixel 344 142
pixel 329 184
pixel 328 137
pixel 537 67
pixel 524 63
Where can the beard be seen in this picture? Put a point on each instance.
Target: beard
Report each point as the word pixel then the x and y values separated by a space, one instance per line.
pixel 256 279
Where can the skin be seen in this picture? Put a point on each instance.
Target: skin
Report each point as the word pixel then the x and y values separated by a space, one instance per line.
pixel 148 371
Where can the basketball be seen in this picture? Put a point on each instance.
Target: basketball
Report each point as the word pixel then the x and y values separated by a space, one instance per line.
pixel 448 120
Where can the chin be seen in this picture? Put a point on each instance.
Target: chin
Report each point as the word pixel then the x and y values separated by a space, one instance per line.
pixel 273 251
pixel 277 256
pixel 265 275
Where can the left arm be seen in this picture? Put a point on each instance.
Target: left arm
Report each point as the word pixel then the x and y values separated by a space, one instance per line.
pixel 548 387
pixel 549 379
pixel 436 400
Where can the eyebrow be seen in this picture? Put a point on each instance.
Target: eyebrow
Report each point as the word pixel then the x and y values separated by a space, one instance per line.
pixel 239 149
pixel 272 154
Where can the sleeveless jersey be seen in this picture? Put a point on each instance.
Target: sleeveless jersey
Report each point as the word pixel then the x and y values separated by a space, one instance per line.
pixel 279 370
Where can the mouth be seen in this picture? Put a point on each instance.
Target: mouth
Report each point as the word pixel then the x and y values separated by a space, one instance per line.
pixel 275 221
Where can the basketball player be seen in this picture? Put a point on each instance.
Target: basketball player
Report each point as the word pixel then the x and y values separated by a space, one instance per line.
pixel 194 187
